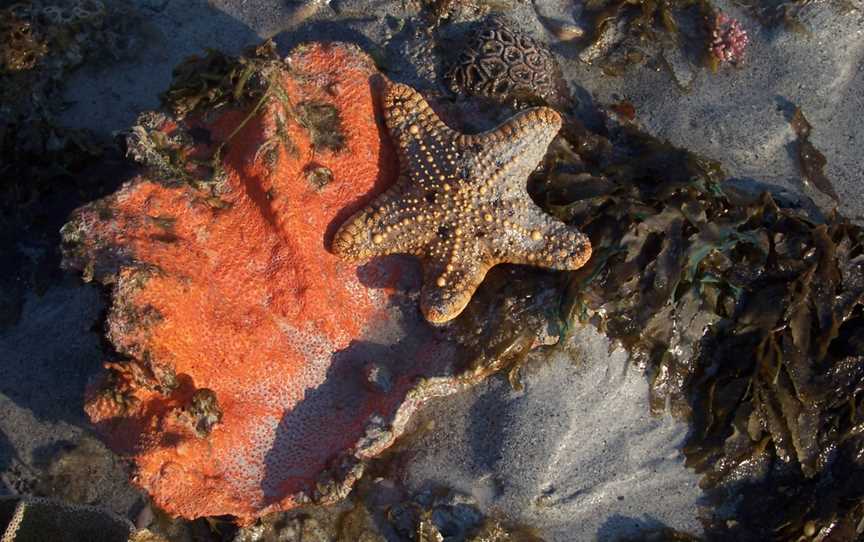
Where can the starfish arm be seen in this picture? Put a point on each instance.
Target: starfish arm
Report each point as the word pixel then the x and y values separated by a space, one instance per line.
pixel 390 224
pixel 404 107
pixel 426 147
pixel 451 274
pixel 535 238
pixel 514 148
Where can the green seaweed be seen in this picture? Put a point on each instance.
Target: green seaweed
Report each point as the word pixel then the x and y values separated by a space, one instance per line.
pixel 179 149
pixel 204 86
pixel 210 82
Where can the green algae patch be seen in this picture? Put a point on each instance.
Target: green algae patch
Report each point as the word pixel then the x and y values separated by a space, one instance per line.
pixel 204 86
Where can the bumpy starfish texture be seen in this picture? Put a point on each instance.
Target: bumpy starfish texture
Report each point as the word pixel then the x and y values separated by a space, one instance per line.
pixel 460 203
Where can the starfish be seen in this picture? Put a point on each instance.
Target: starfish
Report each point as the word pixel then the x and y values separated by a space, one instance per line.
pixel 460 203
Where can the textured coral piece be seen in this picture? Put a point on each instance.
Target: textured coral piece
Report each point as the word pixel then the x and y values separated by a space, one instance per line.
pixel 460 203
pixel 500 61
pixel 264 368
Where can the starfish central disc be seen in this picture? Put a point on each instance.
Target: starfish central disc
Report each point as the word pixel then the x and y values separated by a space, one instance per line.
pixel 460 203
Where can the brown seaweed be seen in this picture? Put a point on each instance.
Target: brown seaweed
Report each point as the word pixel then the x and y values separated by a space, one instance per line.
pixel 622 29
pixel 810 160
pixel 745 315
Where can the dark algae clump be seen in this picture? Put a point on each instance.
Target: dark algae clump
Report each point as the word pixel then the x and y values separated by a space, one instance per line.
pixel 747 315
pixel 620 31
pixel 324 125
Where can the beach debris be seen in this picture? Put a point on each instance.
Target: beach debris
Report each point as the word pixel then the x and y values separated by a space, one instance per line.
pixel 561 30
pixel 728 41
pixel 810 160
pixel 460 204
pixel 241 383
pixel 502 62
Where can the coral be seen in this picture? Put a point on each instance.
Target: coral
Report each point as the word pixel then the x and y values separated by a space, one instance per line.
pixel 263 371
pixel 502 62
pixel 728 40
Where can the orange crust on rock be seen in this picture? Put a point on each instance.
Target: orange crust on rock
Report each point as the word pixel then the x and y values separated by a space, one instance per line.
pixel 247 301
